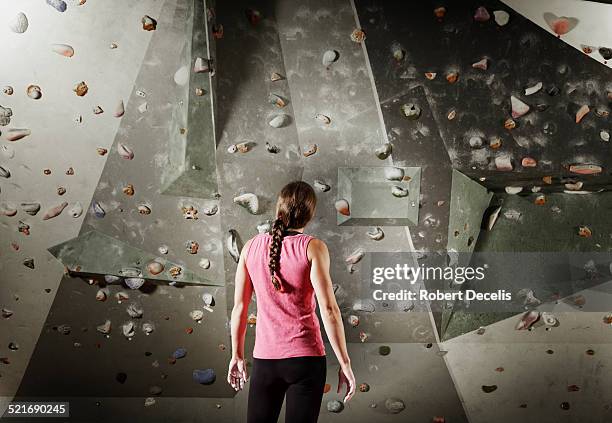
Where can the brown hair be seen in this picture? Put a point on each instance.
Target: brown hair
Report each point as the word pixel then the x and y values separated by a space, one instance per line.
pixel 294 208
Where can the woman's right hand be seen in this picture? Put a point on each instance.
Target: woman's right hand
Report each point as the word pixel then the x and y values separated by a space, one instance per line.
pixel 237 373
pixel 346 376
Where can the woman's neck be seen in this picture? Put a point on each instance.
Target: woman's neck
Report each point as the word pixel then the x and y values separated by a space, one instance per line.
pixel 300 230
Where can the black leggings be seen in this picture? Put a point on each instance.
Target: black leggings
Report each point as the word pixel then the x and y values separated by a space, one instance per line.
pixel 301 378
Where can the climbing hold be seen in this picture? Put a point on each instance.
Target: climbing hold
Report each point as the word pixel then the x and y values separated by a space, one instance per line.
pixel 585 169
pixel 452 77
pixel 411 111
pixel 81 89
pixel 482 64
pixel 30 208
pixel 59 5
pixel 503 163
pixel 375 233
pixel 398 51
pixel 605 52
pixel 540 200
pixel 148 23
pixel 128 329
pixel 582 112
pixel 527 320
pixel 519 108
pixel 476 142
pixel 264 227
pixel 321 186
pixel 179 353
pixel 119 110
pixel 549 319
pixel 249 201
pixel 253 16
pixel 430 75
pixel 144 209
pixel 334 406
pixel 181 76
pixel 232 245
pixel 355 256
pixel 19 24
pixel 196 315
pixel 201 65
pixel 575 186
pixel 104 328
pixel 34 92
pixel 481 14
pixel 277 100
pixel 394 405
pixel 533 89
pixel 384 151
pixel 495 143
pixel 501 17
pixel 560 25
pixel 279 121
pixel 63 49
pixel 364 387
pixel 148 328
pixel 384 350
pixel 54 211
pixel 8 90
pixel 393 173
pixel 134 283
pixel 276 77
pixel 358 35
pixel 135 311
pixel 584 231
pixel 5 116
pixel 509 124
pixel 342 206
pixel 125 151
pixel 489 388
pixel 76 210
pixel 326 120
pixel 204 376
pixel 29 262
pixel 329 57
pixel 439 12
pixel 309 150
pixel 604 134
pixel 398 191
pixel 529 162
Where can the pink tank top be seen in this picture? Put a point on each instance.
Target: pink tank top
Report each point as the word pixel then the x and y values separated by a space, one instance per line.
pixel 287 325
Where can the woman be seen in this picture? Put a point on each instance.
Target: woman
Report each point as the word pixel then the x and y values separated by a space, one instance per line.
pixel 286 268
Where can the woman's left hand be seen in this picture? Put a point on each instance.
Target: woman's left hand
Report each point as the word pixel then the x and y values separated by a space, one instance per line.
pixel 237 374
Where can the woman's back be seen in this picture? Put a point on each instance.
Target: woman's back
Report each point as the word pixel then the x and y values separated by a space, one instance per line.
pixel 287 325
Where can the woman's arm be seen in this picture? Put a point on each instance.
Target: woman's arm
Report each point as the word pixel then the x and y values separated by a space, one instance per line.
pixel 243 290
pixel 330 312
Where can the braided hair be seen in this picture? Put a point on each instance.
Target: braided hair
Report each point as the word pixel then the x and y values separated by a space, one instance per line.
pixel 294 208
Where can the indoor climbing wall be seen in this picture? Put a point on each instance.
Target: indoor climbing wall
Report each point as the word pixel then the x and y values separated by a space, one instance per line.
pixel 137 162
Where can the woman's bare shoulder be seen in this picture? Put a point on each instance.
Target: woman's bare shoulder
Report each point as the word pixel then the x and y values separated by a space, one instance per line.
pixel 316 246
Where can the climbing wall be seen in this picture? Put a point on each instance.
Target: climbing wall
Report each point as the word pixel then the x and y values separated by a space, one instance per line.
pixel 137 163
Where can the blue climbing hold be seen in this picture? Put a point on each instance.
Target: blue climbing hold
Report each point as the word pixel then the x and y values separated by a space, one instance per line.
pixel 179 353
pixel 204 376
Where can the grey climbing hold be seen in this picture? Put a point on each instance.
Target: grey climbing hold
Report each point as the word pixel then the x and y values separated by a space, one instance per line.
pixel 394 405
pixel 411 111
pixel 334 406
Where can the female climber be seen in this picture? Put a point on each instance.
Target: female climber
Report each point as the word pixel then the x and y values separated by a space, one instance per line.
pixel 287 268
